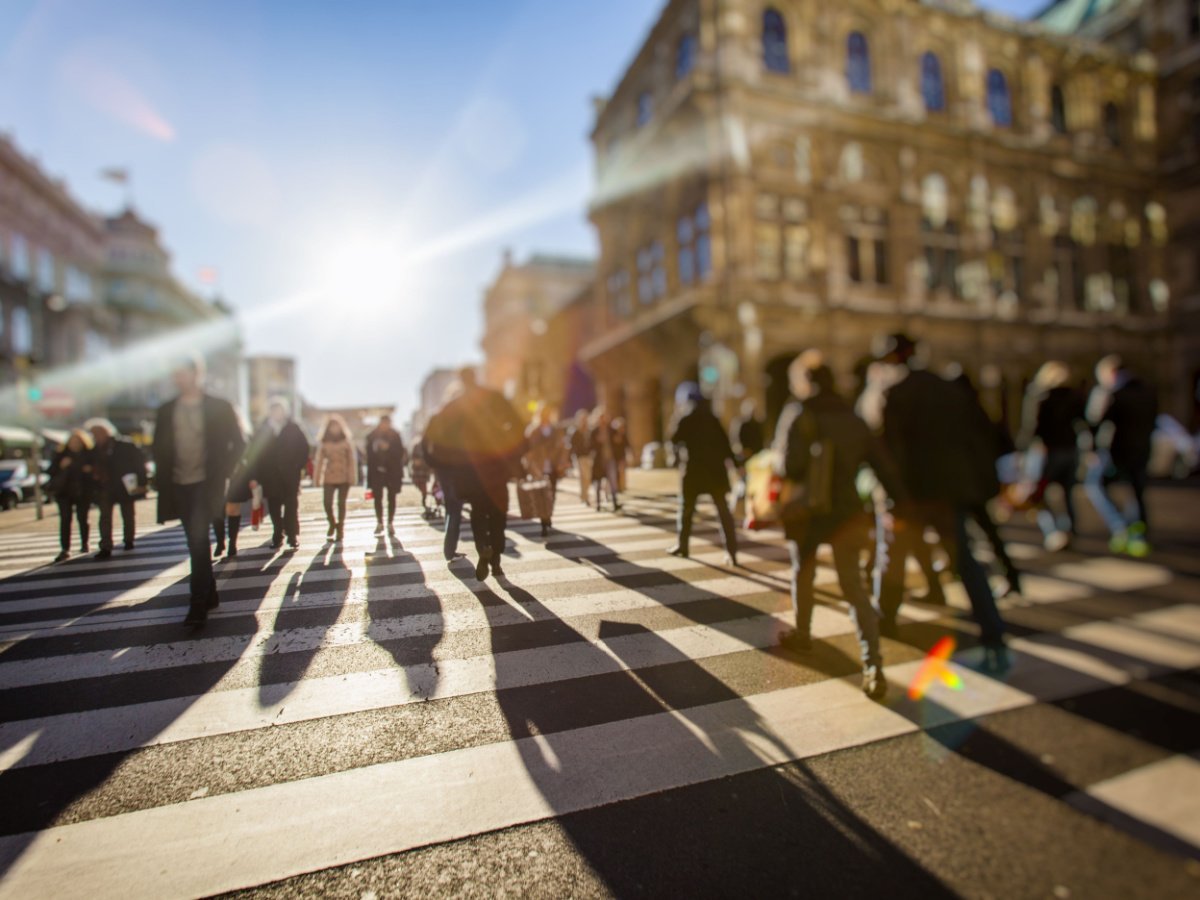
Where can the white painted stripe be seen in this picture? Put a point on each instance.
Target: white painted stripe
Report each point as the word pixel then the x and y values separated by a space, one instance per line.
pixel 1165 794
pixel 265 640
pixel 221 843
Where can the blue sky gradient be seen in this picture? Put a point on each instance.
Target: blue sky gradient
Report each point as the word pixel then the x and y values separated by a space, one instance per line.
pixel 353 170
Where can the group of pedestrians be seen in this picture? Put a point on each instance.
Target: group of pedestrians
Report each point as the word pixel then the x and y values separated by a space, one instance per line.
pixel 96 467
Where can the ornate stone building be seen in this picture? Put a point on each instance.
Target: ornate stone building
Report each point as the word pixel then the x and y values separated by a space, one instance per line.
pixel 772 176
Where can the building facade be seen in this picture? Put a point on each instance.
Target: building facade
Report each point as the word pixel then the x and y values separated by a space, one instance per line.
pixel 51 254
pixel 517 309
pixel 158 318
pixel 777 176
pixel 269 378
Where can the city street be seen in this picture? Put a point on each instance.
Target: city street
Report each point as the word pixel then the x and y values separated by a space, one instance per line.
pixel 606 720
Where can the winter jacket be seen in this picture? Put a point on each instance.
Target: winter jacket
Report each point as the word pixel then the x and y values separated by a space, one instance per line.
pixel 112 461
pixel 706 450
pixel 386 458
pixel 223 446
pixel 280 464
pixel 72 477
pixel 336 463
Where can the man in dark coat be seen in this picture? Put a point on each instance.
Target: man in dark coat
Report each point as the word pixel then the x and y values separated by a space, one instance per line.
pixel 1122 411
pixel 117 465
pixel 479 440
pixel 749 433
pixel 278 468
pixel 197 442
pixel 386 458
pixel 945 456
pixel 706 452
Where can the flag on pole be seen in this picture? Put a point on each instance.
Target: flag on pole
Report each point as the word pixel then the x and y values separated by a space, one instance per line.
pixel 115 174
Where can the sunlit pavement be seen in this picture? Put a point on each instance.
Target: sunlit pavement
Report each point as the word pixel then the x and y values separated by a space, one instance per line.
pixel 606 720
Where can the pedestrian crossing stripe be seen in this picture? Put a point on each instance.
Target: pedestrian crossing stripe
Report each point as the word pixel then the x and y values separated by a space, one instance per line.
pixel 256 835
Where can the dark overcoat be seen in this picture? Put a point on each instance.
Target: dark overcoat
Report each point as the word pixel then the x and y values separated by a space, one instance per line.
pixel 223 445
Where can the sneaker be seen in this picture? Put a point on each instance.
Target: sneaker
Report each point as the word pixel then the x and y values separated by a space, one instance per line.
pixel 1056 541
pixel 796 641
pixel 874 683
pixel 1137 546
pixel 1119 542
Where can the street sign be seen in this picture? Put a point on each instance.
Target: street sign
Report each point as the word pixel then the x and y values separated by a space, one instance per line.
pixel 56 403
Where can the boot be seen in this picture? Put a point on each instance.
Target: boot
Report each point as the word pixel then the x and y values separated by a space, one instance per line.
pixel 234 524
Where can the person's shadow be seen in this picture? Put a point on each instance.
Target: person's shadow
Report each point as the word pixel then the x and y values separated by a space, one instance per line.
pixel 309 608
pixel 662 778
pixel 408 627
pixel 48 770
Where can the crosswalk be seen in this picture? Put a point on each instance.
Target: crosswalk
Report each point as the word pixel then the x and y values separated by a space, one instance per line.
pixel 347 703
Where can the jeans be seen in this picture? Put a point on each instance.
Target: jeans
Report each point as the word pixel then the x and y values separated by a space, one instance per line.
pixel 342 491
pixel 127 505
pixel 194 513
pixel 846 541
pixel 454 510
pixel 489 515
pixel 391 503
pixel 1060 467
pixel 68 509
pixel 687 510
pixel 1103 473
pixel 285 517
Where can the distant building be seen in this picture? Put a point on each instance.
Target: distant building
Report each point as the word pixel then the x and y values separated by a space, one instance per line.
pixel 160 317
pixel 268 378
pixel 517 308
pixel 432 396
pixel 51 254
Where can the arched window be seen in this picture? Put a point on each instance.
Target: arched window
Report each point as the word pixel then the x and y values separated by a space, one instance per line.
pixel 998 99
pixel 1058 109
pixel 1112 124
pixel 775 41
pixel 931 83
pixel 685 55
pixel 858 63
pixel 645 107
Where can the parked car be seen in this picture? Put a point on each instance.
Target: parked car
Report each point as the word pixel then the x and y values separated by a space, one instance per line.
pixel 12 473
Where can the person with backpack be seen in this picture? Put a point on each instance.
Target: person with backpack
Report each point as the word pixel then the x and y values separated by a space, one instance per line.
pixel 822 445
pixel 945 458
pixel 706 454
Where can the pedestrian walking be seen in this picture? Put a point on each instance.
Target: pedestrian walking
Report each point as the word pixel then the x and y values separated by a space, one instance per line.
pixel 1122 411
pixel 119 471
pixel 946 464
pixel 604 447
pixel 279 463
pixel 822 446
pixel 478 441
pixel 703 445
pixel 749 433
pixel 197 444
pixel 73 485
pixel 1053 417
pixel 334 469
pixel 386 459
pixel 580 438
pixel 543 459
pixel 420 472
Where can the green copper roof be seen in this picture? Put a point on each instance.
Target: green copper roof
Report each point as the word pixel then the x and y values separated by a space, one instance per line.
pixel 1068 16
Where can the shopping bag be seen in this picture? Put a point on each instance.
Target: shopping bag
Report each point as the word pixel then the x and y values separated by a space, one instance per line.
pixel 256 507
pixel 535 500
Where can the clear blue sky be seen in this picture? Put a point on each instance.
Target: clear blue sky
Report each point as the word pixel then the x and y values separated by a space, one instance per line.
pixel 352 169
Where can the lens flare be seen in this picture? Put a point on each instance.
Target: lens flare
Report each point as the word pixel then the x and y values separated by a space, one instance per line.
pixel 936 669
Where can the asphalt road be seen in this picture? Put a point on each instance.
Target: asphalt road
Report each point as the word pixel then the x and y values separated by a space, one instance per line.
pixel 605 721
